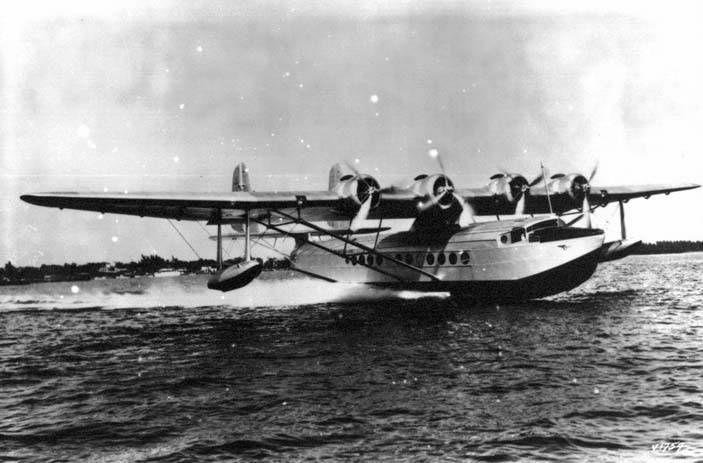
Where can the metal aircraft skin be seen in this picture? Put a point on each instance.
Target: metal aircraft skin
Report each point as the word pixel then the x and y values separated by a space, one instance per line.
pixel 520 258
pixel 327 205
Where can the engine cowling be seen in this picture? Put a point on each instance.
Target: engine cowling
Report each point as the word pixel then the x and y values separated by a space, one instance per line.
pixel 574 185
pixel 510 186
pixel 435 189
pixel 355 189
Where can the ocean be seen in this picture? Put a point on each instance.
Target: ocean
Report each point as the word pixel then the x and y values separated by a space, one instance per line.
pixel 162 369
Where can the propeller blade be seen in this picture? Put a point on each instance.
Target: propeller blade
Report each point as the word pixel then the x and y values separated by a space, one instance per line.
pixel 520 208
pixel 467 212
pixel 357 173
pixel 536 180
pixel 362 214
pixel 434 153
pixel 593 173
pixel 586 208
pixel 422 207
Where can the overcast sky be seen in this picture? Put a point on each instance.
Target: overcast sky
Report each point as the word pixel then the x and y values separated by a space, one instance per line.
pixel 168 96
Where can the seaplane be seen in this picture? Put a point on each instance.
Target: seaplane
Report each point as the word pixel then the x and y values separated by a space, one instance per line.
pixel 526 250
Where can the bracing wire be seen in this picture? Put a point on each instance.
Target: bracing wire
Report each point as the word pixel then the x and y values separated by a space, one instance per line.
pixel 184 239
pixel 226 251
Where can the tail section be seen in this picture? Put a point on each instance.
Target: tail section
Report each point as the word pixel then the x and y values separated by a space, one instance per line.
pixel 242 182
pixel 335 175
pixel 240 178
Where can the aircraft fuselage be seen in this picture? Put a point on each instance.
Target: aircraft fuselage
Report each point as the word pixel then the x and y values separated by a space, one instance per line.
pixel 504 260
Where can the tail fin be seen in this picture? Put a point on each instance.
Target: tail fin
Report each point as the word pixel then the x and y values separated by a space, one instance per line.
pixel 241 182
pixel 240 178
pixel 335 175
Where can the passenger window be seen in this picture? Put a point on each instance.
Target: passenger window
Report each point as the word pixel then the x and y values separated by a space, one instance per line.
pixel 408 258
pixel 379 259
pixel 353 260
pixel 361 259
pixel 504 239
pixel 452 258
pixel 430 258
pixel 465 257
pixel 517 235
pixel 369 260
pixel 441 259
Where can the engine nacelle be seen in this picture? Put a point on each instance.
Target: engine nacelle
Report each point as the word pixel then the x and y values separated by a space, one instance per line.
pixel 438 204
pixel 355 189
pixel 574 185
pixel 436 189
pixel 509 186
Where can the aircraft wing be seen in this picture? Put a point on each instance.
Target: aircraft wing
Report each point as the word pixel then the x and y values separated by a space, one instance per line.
pixel 316 205
pixel 611 194
pixel 484 203
pixel 182 206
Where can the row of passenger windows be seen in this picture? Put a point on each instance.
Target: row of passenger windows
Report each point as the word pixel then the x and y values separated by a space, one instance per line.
pixel 452 258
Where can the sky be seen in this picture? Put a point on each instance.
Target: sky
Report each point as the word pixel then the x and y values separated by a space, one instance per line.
pixel 170 95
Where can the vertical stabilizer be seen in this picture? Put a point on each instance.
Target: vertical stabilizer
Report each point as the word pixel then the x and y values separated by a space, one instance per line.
pixel 335 175
pixel 241 182
pixel 240 178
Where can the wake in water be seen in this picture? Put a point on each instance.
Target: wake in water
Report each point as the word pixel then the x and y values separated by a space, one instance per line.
pixel 189 292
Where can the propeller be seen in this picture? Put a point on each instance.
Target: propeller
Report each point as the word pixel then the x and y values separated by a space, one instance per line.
pixel 520 208
pixel 586 206
pixel 582 186
pixel 586 210
pixel 365 208
pixel 467 212
pixel 444 193
pixel 362 214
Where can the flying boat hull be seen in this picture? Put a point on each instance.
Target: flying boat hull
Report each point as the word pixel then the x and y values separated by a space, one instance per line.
pixel 490 261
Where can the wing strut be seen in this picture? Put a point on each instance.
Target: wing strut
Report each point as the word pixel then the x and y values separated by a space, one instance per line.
pixel 219 246
pixel 352 243
pixel 262 242
pixel 623 232
pixel 247 239
pixel 324 248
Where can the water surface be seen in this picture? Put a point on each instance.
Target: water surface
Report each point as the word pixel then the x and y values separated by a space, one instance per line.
pixel 164 370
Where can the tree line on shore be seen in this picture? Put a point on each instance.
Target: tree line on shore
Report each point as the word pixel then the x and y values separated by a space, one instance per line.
pixel 152 264
pixel 670 247
pixel 147 265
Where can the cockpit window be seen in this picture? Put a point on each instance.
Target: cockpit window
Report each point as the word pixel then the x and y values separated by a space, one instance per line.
pixel 517 234
pixel 544 224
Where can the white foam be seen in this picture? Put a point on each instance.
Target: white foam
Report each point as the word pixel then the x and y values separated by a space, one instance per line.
pixel 189 292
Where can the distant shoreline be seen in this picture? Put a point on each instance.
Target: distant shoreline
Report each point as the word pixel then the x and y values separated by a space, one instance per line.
pixel 153 265
pixel 158 266
pixel 669 247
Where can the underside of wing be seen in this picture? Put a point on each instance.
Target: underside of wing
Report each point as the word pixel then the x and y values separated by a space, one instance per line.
pixel 610 194
pixel 313 205
pixel 323 205
pixel 183 206
pixel 298 229
pixel 537 202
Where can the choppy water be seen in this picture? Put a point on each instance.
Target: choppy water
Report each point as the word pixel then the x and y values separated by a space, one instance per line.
pixel 164 370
